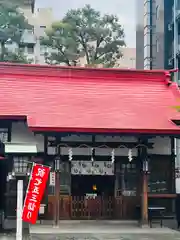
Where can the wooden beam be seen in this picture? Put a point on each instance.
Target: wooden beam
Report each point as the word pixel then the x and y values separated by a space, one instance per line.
pixel 162 195
pixel 131 145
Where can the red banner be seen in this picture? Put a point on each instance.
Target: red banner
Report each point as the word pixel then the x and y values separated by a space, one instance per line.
pixel 35 191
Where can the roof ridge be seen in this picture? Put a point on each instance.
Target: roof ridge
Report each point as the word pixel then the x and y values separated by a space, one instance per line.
pixel 81 72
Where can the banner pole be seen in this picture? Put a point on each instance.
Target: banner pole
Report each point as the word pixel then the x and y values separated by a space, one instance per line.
pixel 19 210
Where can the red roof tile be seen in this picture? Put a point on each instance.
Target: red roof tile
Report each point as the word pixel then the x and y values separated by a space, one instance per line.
pixel 88 100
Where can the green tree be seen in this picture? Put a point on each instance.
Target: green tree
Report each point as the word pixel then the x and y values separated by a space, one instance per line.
pixel 15 57
pixel 85 33
pixel 12 26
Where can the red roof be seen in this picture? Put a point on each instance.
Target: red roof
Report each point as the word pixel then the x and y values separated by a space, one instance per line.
pixel 88 100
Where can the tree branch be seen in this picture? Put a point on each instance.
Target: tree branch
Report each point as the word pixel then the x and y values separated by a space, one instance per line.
pixel 66 59
pixel 97 45
pixel 85 48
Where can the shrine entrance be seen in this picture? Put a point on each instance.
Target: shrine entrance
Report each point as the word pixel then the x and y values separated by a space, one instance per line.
pixel 92 189
pixel 92 196
pixel 92 185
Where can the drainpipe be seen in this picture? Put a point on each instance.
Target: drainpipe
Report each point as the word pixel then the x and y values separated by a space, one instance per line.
pixel 175 42
pixel 176 141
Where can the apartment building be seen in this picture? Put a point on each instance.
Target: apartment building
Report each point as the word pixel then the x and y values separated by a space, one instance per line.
pixel 173 37
pixel 158 30
pixel 151 25
pixel 28 40
pixel 41 20
pixel 27 5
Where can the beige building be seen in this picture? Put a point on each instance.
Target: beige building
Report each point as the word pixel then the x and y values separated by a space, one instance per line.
pixel 129 58
pixel 127 61
pixel 41 20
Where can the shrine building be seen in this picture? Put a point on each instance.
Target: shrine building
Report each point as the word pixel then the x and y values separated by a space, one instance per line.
pixel 111 131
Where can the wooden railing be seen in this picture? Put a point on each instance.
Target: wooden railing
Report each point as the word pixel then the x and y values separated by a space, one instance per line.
pixel 76 207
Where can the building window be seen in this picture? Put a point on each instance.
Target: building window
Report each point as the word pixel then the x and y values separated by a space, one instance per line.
pixel 21 48
pixel 20 164
pixel 4 134
pixel 30 49
pixel 43 27
pixel 157 45
pixel 157 12
pixel 43 49
pixel 30 31
pixel 159 179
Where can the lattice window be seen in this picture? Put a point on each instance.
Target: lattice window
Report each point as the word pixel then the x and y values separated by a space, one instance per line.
pixel 160 178
pixel 4 134
pixel 20 164
pixel 128 179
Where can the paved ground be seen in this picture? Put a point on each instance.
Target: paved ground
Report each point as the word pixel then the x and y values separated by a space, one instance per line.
pixel 98 230
pixel 174 236
pixel 101 230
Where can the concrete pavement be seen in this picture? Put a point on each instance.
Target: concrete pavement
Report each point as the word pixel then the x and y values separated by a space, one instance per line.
pixel 97 230
pixel 101 230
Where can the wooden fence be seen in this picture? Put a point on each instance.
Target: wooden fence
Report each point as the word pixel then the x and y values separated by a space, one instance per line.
pixel 76 207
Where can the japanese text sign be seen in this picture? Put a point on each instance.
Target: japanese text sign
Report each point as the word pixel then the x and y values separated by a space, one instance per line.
pixel 35 191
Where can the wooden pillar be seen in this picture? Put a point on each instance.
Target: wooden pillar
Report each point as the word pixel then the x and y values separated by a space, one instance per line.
pixel 144 204
pixel 144 194
pixel 57 195
pixel 57 182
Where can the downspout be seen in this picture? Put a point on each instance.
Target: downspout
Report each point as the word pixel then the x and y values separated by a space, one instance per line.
pixel 175 42
pixel 176 140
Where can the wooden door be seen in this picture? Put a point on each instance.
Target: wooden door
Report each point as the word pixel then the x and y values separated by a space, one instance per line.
pixel 65 207
pixel 127 181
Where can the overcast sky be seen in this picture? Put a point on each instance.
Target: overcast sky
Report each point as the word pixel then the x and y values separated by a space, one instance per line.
pixel 125 9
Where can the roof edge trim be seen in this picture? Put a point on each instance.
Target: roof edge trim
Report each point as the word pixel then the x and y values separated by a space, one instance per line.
pixel 101 130
pixel 13 117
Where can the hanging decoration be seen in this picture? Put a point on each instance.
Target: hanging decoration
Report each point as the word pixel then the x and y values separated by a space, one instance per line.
pixel 113 156
pixel 130 157
pixel 70 153
pixel 92 151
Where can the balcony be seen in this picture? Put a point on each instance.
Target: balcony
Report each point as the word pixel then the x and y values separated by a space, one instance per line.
pixel 28 37
pixel 177 13
pixel 23 3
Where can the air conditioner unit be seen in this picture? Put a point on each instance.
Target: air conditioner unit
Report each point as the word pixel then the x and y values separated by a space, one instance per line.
pixel 178 11
pixel 170 61
pixel 169 27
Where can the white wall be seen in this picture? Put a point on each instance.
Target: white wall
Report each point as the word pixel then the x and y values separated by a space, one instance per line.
pixel 21 134
pixel 162 145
